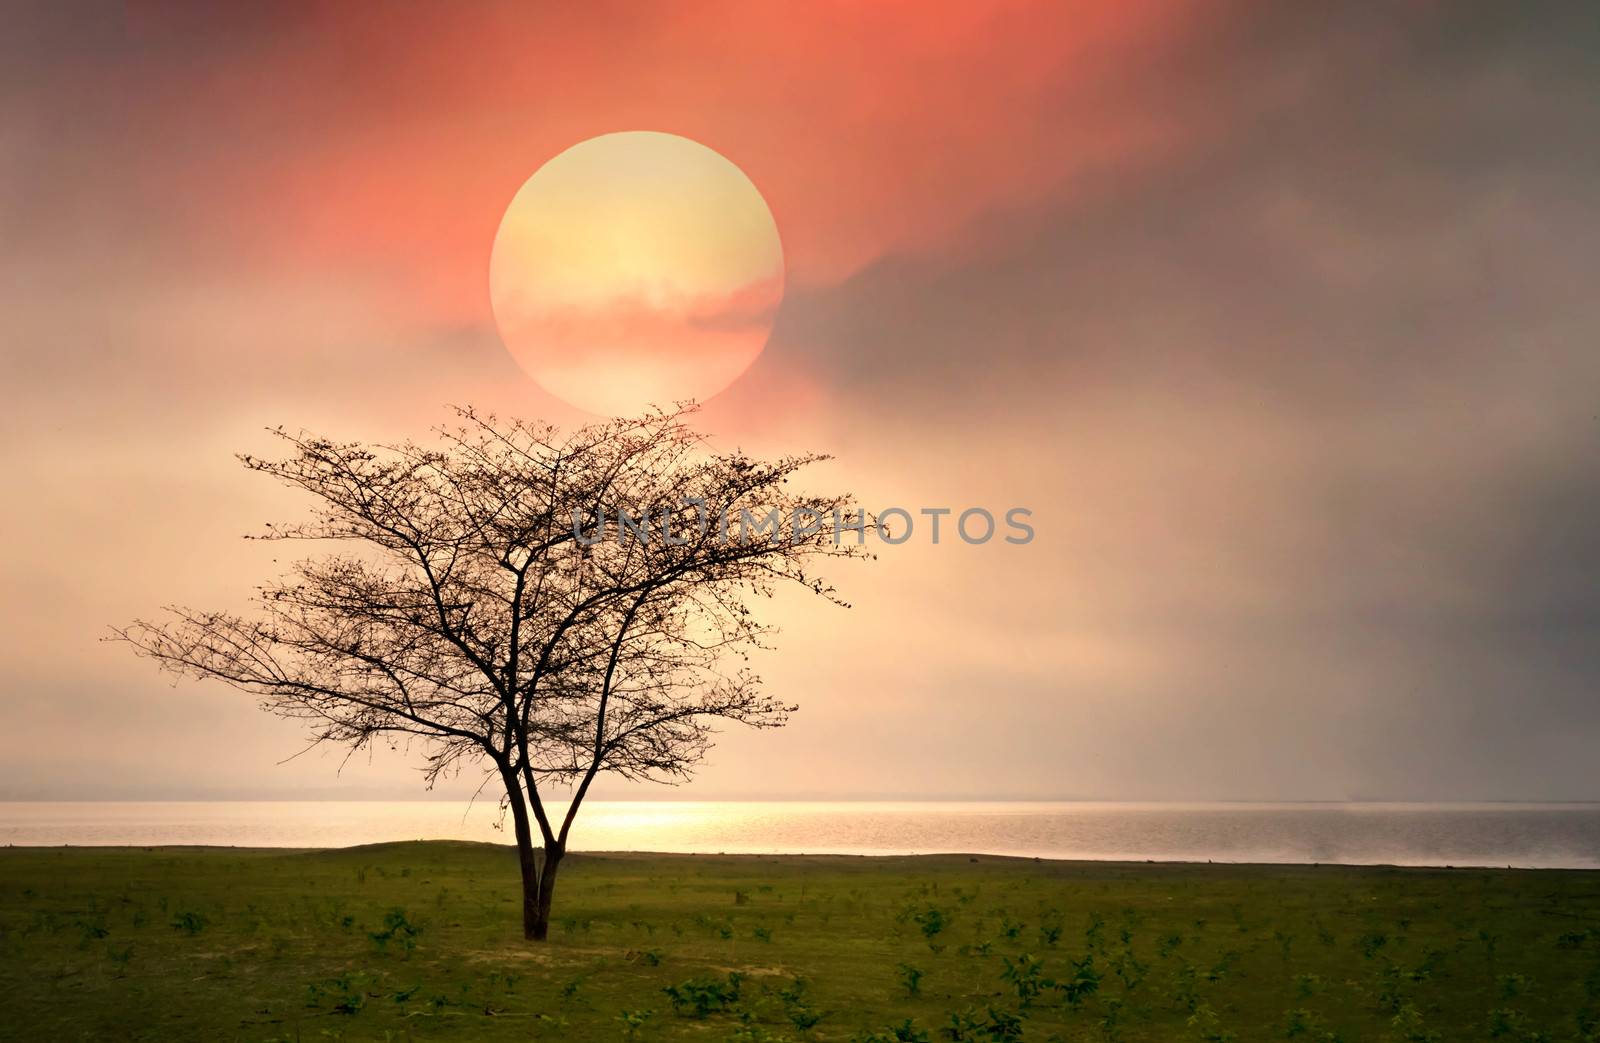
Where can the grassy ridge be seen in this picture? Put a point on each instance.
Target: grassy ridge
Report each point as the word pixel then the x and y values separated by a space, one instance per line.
pixel 420 941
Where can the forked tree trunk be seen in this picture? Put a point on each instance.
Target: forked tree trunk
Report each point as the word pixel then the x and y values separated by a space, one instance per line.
pixel 534 926
pixel 538 890
pixel 535 902
pixel 544 891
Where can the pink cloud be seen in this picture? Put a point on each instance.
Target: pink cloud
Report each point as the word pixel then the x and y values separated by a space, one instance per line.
pixel 387 144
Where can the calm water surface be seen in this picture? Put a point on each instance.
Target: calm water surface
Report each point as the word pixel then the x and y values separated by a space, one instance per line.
pixel 1540 835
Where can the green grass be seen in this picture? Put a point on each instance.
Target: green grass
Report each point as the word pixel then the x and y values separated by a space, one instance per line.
pixel 421 941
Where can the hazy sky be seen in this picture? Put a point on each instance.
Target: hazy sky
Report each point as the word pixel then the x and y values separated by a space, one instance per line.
pixel 1281 319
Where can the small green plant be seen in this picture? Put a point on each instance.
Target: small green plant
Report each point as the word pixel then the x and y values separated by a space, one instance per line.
pixel 1093 934
pixel 1205 1022
pixel 1004 1026
pixel 1299 1022
pixel 1512 985
pixel 1026 977
pixel 964 1027
pixel 698 997
pixel 911 979
pixel 1111 1022
pixel 1408 1023
pixel 632 1021
pixel 988 1026
pixel 932 921
pixel 1306 985
pixel 1220 969
pixel 347 992
pixel 1491 944
pixel 398 929
pixel 905 1032
pixel 797 1007
pixel 190 922
pixel 1129 968
pixel 750 1032
pixel 1085 982
pixel 119 958
pixel 803 1018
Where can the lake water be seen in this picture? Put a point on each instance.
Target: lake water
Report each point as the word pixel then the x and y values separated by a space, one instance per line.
pixel 1534 835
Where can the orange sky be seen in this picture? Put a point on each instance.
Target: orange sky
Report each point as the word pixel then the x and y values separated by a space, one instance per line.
pixel 1279 317
pixel 395 144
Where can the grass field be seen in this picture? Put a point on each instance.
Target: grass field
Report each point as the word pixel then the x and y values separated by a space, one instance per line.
pixel 421 941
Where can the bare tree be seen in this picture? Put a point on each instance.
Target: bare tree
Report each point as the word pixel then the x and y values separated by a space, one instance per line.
pixel 539 608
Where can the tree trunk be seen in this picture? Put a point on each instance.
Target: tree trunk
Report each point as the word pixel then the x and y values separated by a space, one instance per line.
pixel 538 880
pixel 545 892
pixel 532 923
pixel 533 927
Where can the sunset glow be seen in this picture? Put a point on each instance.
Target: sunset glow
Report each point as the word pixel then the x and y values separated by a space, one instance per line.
pixel 1277 318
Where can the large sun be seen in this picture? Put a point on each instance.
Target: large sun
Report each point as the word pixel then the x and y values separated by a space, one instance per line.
pixel 636 269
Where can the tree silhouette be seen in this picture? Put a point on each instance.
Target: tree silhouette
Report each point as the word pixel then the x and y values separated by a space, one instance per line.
pixel 541 608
